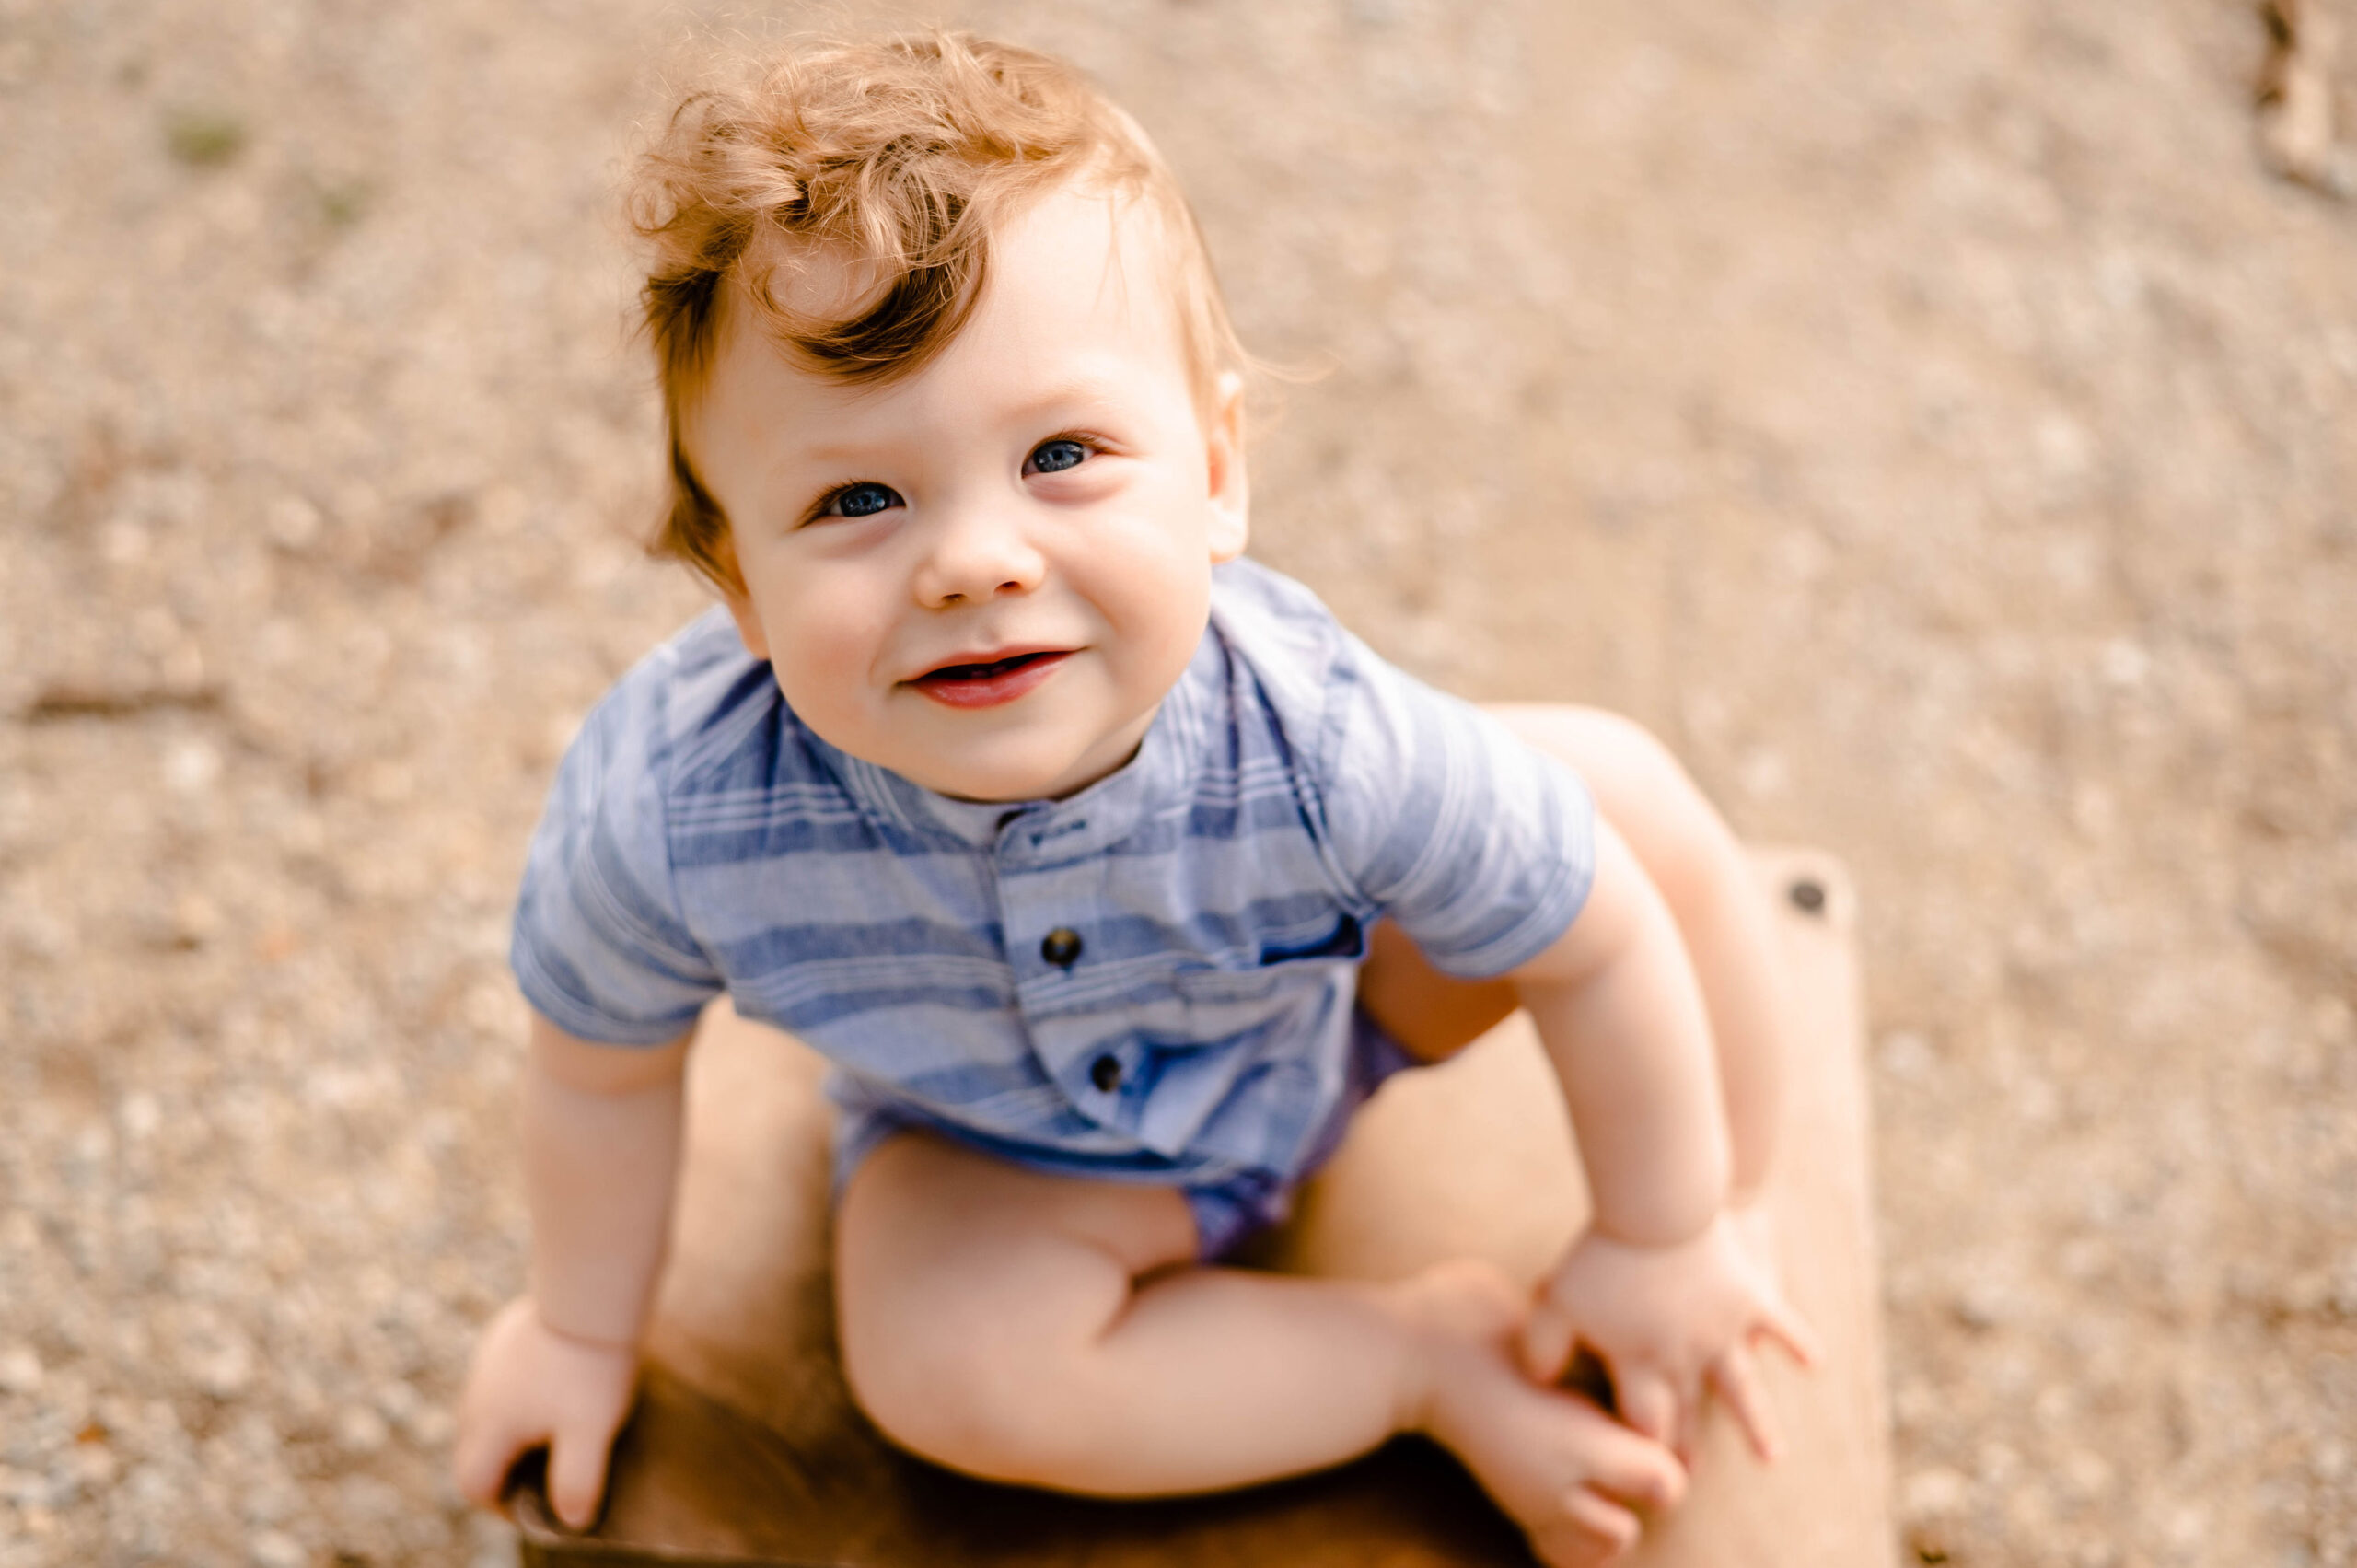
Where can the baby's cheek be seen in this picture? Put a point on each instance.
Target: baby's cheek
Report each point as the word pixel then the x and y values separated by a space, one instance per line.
pixel 826 660
pixel 1168 606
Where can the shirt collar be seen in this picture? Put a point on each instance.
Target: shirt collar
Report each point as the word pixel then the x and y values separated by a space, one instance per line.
pixel 1155 782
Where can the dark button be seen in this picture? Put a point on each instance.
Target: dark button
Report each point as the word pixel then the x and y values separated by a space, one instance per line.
pixel 1105 1074
pixel 1808 895
pixel 1060 946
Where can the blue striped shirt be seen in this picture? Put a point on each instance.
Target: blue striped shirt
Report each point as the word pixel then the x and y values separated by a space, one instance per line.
pixel 1292 790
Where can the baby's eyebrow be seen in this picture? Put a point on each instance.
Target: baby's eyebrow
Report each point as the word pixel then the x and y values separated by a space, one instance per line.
pixel 1091 391
pixel 1094 386
pixel 835 454
pixel 1082 391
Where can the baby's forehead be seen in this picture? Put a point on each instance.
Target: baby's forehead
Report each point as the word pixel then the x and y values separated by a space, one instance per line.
pixel 1089 249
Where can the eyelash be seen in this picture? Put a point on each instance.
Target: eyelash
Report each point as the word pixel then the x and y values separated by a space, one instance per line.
pixel 825 506
pixel 1080 438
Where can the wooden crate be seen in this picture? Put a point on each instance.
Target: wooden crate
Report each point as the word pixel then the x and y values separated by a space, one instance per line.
pixel 746 1448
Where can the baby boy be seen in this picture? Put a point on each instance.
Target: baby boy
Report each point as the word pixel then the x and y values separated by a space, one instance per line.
pixel 1109 872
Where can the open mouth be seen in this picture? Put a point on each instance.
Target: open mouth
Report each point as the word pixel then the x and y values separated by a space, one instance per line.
pixel 988 684
pixel 985 672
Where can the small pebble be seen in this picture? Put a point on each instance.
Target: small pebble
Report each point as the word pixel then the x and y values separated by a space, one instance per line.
pixel 293 523
pixel 191 767
pixel 361 1431
pixel 1934 1493
pixel 94 1467
pixel 1906 1055
pixel 276 1548
pixel 20 1370
pixel 1984 1305
pixel 140 1115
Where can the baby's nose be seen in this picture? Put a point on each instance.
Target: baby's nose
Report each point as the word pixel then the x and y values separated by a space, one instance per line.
pixel 978 554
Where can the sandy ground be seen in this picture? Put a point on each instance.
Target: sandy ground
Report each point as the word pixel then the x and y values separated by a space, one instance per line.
pixel 1928 417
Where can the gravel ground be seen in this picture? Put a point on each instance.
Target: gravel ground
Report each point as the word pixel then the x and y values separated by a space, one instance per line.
pixel 1932 419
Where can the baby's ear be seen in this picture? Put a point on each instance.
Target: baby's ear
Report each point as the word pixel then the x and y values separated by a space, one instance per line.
pixel 1231 490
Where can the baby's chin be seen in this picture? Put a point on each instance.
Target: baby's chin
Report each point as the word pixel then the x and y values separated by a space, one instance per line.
pixel 1020 768
pixel 1013 783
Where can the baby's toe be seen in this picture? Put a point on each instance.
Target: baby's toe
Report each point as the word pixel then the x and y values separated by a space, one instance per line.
pixel 1592 1530
pixel 1574 1478
pixel 1629 1470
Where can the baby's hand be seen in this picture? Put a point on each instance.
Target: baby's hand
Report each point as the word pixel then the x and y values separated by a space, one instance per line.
pixel 530 1385
pixel 1665 1320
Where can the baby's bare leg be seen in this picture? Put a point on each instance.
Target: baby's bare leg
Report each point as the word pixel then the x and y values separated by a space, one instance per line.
pixel 1054 1332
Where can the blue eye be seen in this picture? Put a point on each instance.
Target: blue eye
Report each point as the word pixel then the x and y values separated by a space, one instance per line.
pixel 1054 457
pixel 861 500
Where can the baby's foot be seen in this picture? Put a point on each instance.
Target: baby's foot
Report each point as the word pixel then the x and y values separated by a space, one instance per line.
pixel 1567 1473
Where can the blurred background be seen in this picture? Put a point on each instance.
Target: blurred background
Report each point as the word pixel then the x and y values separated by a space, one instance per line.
pixel 1938 421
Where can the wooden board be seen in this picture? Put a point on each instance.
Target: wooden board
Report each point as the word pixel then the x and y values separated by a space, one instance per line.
pixel 746 1448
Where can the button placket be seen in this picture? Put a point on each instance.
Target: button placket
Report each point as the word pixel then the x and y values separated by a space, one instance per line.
pixel 1031 896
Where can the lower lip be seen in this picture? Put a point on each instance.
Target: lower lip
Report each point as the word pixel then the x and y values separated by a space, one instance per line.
pixel 992 690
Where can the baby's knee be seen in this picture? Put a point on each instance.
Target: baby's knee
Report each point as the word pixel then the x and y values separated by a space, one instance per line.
pixel 1620 758
pixel 973 1298
pixel 982 1398
pixel 1642 788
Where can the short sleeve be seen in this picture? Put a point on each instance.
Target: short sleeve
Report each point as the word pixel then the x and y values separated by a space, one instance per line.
pixel 1481 847
pixel 601 947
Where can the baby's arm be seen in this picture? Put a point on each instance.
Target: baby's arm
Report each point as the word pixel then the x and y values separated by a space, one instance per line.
pixel 1690 855
pixel 1657 1285
pixel 601 1128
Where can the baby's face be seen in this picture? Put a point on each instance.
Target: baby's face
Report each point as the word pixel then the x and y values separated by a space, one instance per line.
pixel 985 576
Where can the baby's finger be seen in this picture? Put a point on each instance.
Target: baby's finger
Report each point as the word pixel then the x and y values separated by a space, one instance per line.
pixel 1547 1335
pixel 1613 1525
pixel 1737 1382
pixel 1635 1471
pixel 577 1476
pixel 484 1455
pixel 1781 1324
